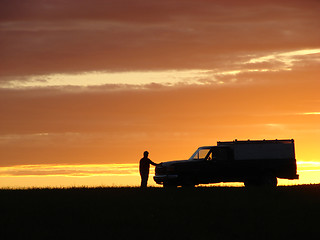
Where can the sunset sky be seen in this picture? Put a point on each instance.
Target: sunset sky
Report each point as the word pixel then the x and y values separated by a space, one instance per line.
pixel 87 86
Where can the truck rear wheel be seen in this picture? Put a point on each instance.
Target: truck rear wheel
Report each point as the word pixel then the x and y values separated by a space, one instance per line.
pixel 270 181
pixel 267 180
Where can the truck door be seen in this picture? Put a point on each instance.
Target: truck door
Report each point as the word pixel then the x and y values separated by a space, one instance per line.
pixel 219 164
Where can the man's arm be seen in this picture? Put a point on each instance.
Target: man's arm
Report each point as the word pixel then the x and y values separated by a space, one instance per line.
pixel 152 163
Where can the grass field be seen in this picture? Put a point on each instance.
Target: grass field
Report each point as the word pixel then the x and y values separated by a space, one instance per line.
pixel 155 213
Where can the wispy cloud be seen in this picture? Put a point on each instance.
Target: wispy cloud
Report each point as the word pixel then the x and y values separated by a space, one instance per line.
pixel 287 57
pixel 70 170
pixel 308 166
pixel 286 60
pixel 136 78
pixel 311 113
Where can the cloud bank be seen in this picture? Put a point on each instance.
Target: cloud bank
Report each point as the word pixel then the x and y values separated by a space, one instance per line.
pixel 50 37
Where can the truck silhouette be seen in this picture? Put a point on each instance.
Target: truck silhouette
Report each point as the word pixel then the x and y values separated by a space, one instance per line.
pixel 255 163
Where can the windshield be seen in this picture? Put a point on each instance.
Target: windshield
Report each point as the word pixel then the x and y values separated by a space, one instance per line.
pixel 201 153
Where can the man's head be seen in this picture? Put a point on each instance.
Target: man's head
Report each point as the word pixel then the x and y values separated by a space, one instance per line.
pixel 146 154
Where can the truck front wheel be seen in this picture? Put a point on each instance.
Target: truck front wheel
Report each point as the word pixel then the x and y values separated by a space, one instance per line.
pixel 250 183
pixel 169 185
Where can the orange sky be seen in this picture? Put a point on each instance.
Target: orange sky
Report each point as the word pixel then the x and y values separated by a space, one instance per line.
pixel 99 82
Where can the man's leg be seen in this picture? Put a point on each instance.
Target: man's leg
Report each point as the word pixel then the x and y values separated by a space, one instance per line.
pixel 144 180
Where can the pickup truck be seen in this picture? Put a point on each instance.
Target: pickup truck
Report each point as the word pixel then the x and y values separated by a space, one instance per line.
pixel 253 162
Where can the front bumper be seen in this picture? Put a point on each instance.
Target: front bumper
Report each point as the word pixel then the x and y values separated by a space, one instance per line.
pixel 293 177
pixel 163 178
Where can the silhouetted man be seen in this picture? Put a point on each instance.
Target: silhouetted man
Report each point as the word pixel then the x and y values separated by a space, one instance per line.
pixel 144 166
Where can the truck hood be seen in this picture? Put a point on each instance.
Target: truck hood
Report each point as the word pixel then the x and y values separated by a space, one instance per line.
pixel 170 163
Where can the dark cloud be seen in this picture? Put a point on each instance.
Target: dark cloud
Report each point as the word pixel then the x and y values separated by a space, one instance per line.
pixel 41 37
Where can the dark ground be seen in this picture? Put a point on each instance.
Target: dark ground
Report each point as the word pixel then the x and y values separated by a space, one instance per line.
pixel 155 213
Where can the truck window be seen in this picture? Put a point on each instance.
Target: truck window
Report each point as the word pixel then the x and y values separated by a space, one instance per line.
pixel 201 153
pixel 210 157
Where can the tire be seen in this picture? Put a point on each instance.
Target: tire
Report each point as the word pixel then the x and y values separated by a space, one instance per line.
pixel 270 181
pixel 187 183
pixel 248 183
pixel 267 180
pixel 188 186
pixel 169 185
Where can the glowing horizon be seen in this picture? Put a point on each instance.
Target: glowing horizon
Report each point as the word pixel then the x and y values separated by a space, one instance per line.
pixel 114 175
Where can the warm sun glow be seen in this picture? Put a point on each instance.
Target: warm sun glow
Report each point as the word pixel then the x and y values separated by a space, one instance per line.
pixel 46 175
pixel 97 175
